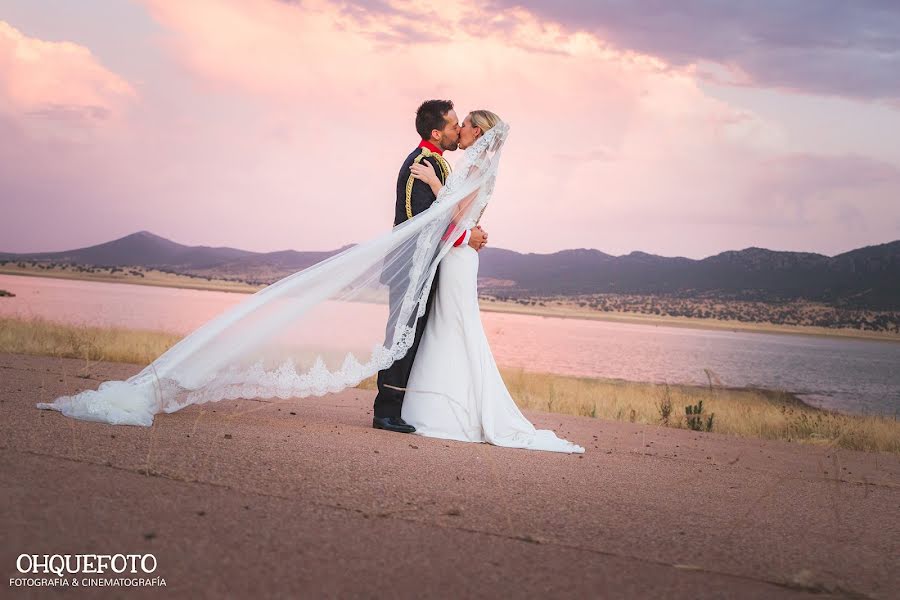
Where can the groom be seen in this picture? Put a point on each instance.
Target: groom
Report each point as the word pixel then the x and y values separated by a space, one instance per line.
pixel 438 126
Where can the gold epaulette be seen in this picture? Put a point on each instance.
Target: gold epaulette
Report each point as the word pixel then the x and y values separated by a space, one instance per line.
pixel 445 171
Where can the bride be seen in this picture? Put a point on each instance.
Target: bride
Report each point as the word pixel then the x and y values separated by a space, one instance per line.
pixel 322 329
pixel 455 390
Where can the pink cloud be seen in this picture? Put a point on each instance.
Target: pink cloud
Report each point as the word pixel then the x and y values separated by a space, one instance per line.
pixel 802 188
pixel 58 80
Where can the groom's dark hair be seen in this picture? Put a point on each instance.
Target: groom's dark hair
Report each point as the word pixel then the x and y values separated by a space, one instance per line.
pixel 432 114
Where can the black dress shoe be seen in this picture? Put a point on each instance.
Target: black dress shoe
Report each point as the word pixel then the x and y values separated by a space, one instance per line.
pixel 392 424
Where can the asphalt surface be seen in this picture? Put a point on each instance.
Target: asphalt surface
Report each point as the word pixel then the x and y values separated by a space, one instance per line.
pixel 302 498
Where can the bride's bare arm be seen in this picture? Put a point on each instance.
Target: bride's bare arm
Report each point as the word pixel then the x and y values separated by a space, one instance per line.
pixel 424 171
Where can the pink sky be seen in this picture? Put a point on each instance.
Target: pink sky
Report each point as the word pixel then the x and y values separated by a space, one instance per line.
pixel 267 125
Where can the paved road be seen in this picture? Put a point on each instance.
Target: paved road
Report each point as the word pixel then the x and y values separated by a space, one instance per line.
pixel 301 498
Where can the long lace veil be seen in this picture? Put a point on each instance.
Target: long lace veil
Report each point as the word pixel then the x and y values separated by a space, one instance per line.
pixel 318 331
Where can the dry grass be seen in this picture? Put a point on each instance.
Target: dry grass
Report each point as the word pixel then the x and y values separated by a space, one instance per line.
pixel 46 338
pixel 743 412
pixel 754 413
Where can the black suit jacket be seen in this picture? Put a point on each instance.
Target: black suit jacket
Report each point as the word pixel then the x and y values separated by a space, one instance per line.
pixel 413 195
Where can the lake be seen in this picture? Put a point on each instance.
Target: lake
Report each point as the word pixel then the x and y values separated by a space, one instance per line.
pixel 849 375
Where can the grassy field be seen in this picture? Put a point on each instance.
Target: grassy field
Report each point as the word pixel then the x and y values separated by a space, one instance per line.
pixel 743 412
pixel 46 338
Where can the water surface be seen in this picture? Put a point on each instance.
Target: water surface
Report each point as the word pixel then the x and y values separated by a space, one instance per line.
pixel 851 375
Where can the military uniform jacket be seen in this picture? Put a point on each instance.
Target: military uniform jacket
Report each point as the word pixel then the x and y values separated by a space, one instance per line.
pixel 413 195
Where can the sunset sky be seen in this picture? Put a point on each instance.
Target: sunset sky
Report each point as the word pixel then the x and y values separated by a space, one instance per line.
pixel 677 128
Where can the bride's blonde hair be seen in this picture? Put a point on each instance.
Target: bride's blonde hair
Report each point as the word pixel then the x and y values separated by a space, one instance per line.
pixel 484 119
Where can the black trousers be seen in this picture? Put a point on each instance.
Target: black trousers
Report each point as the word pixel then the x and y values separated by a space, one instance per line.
pixel 392 381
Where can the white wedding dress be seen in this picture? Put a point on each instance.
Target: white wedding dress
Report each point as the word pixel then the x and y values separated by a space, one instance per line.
pixel 455 390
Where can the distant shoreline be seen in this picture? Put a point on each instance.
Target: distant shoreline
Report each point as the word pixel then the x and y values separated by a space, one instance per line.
pixel 159 279
pixel 156 279
pixel 684 322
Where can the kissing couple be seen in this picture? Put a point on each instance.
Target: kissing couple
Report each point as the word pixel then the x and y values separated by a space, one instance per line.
pixel 447 385
pixel 322 329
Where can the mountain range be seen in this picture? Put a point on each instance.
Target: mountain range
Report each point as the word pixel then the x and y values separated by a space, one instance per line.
pixel 867 278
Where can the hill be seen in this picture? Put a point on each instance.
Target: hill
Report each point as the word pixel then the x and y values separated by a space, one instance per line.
pixel 866 278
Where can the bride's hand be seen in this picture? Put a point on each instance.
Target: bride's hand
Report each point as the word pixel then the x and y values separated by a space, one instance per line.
pixel 425 172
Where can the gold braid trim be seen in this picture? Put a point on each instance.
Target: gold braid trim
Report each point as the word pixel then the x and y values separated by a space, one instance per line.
pixel 445 167
pixel 445 171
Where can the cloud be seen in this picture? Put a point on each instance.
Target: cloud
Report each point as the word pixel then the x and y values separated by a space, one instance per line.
pixel 849 49
pixel 812 189
pixel 845 172
pixel 62 116
pixel 60 81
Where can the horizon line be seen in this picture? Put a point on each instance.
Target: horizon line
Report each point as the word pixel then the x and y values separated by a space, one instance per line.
pixel 147 232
